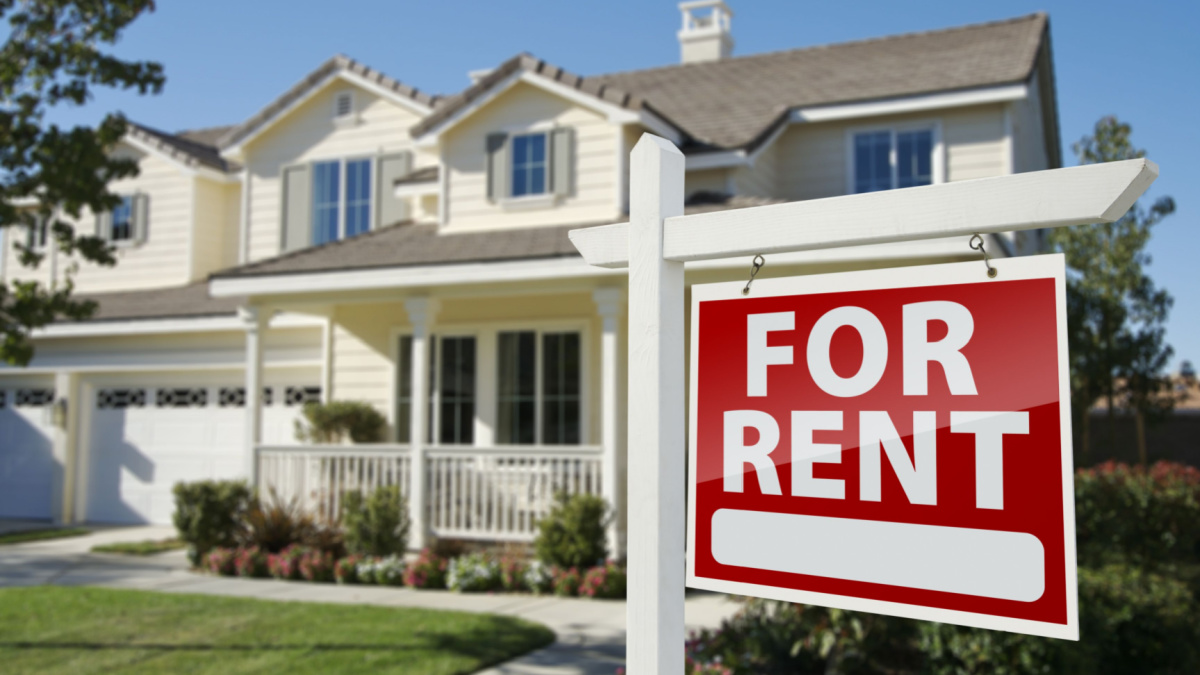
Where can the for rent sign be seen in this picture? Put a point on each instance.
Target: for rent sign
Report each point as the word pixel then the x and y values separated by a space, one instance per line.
pixel 894 441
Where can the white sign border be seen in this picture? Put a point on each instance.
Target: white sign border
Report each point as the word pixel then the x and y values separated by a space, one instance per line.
pixel 1052 266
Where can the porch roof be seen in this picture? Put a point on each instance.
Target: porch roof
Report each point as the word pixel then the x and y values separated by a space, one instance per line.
pixel 178 302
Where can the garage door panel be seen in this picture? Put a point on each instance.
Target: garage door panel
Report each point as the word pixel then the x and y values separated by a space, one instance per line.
pixel 27 465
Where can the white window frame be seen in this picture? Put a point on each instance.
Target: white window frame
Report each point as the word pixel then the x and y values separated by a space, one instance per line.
pixel 343 199
pixel 530 201
pixel 487 375
pixel 937 161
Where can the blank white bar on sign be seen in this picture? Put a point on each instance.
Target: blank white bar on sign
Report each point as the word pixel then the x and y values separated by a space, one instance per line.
pixel 984 563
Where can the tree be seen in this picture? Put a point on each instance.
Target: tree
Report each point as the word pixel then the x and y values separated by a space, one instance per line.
pixel 1115 312
pixel 54 55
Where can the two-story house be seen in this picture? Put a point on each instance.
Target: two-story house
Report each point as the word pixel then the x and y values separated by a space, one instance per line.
pixel 358 239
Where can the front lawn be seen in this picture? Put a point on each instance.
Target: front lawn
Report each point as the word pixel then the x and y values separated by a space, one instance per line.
pixel 50 629
pixel 38 535
pixel 146 547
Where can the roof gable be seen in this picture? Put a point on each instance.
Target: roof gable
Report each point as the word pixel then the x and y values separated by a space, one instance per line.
pixel 177 148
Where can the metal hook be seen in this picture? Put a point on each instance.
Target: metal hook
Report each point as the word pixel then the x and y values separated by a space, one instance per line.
pixel 987 260
pixel 757 265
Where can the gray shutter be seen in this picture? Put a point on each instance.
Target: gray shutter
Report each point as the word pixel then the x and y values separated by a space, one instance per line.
pixel 141 217
pixel 497 166
pixel 104 225
pixel 296 230
pixel 561 152
pixel 390 209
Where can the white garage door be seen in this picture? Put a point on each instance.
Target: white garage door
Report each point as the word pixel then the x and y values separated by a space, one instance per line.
pixel 144 439
pixel 26 452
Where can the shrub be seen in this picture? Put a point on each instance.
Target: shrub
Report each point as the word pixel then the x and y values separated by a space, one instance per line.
pixel 220 560
pixel 251 562
pixel 1146 516
pixel 607 581
pixel 377 524
pixel 567 581
pixel 345 570
pixel 316 565
pixel 427 571
pixel 512 574
pixel 365 570
pixel 274 525
pixel 336 421
pixel 206 514
pixel 573 533
pixel 286 563
pixel 390 571
pixel 474 573
pixel 538 577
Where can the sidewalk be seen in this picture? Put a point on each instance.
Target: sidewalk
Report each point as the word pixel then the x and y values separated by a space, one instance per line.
pixel 591 633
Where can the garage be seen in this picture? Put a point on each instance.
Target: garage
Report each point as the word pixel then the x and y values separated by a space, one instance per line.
pixel 146 436
pixel 27 466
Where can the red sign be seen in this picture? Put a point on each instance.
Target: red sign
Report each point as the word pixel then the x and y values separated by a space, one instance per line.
pixel 893 441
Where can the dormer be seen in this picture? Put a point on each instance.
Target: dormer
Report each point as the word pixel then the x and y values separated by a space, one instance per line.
pixel 707 32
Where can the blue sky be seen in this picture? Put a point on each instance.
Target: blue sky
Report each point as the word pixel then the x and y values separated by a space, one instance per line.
pixel 1140 61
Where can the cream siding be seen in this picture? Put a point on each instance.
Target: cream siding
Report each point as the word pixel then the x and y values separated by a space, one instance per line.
pixel 1029 144
pixel 814 162
pixel 593 194
pixel 309 133
pixel 760 179
pixel 216 231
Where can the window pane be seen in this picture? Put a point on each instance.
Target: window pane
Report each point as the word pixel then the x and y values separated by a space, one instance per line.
pixel 122 222
pixel 537 148
pixel 914 158
pixel 457 391
pixel 528 164
pixel 358 197
pixel 404 391
pixel 516 388
pixel 537 180
pixel 872 164
pixel 326 189
pixel 560 389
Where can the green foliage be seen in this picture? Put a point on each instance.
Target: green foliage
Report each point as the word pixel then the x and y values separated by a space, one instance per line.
pixel 207 514
pixel 573 533
pixel 1145 516
pixel 1116 315
pixel 56 53
pixel 474 573
pixel 274 525
pixel 376 525
pixel 336 421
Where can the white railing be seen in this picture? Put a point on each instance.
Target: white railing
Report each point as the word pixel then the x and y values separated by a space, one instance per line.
pixel 317 475
pixel 495 493
pixel 500 493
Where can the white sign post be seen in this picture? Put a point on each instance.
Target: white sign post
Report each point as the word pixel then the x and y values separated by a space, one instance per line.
pixel 659 239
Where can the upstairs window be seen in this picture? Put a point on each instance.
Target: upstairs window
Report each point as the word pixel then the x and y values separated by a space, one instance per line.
pixel 358 197
pixel 38 234
pixel 528 164
pixel 127 223
pixel 887 159
pixel 327 190
pixel 122 221
pixel 341 199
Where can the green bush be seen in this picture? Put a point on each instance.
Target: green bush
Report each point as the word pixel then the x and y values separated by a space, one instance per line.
pixel 273 524
pixel 207 513
pixel 1145 516
pixel 336 421
pixel 375 525
pixel 573 533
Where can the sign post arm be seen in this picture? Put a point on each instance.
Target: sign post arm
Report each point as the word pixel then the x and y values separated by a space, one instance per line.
pixel 656 447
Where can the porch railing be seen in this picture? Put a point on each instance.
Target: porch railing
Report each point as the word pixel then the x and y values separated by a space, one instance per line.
pixel 493 493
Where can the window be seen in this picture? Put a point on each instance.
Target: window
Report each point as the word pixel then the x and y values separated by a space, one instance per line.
pixel 887 159
pixel 340 208
pixel 122 221
pixel 540 394
pixel 528 164
pixel 38 234
pixel 451 390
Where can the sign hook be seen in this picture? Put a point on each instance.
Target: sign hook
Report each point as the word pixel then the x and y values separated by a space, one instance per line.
pixel 987 260
pixel 757 265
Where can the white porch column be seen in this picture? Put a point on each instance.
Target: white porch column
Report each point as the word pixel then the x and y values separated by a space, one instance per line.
pixel 421 312
pixel 255 321
pixel 609 303
pixel 65 413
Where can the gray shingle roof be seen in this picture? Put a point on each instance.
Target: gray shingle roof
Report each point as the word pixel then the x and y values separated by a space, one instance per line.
pixel 187 147
pixel 191 301
pixel 406 244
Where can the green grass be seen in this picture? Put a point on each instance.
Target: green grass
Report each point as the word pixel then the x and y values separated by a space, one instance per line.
pixel 38 535
pixel 147 547
pixel 50 629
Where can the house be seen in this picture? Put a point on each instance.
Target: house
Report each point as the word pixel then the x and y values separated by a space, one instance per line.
pixel 359 239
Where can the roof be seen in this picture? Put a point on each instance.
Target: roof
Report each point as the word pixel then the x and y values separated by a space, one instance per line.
pixel 427 174
pixel 191 301
pixel 407 244
pixel 336 64
pixel 732 103
pixel 190 147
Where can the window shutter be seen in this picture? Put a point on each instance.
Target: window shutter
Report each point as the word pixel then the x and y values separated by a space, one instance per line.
pixel 389 208
pixel 296 228
pixel 561 142
pixel 104 226
pixel 497 166
pixel 141 217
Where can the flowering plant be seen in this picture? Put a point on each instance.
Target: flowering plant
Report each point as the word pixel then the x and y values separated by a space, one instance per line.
pixel 220 560
pixel 476 572
pixel 538 577
pixel 512 574
pixel 250 562
pixel 607 581
pixel 427 571
pixel 566 581
pixel 316 565
pixel 286 563
pixel 345 571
